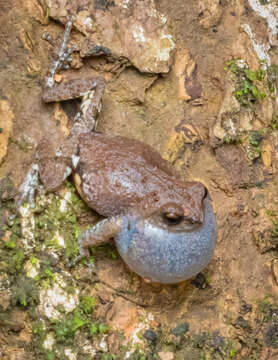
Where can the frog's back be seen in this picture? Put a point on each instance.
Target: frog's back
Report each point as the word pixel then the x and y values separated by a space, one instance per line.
pixel 117 173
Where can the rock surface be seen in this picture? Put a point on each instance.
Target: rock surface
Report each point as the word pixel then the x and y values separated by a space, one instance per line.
pixel 131 29
pixel 190 112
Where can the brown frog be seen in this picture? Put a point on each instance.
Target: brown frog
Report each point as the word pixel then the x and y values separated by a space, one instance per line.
pixel 164 228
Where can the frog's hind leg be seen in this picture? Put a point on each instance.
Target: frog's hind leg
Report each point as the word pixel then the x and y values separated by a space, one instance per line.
pixel 101 233
pixel 90 90
pixel 63 53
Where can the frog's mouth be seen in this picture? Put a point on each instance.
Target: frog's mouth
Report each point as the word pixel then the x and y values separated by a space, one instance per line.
pixel 168 254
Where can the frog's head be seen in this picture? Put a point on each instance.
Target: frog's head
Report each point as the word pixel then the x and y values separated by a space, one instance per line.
pixel 173 243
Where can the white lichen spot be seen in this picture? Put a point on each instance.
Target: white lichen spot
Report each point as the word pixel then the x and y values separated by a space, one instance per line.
pixel 136 341
pixel 65 201
pixel 241 63
pixel 59 240
pixel 49 341
pixel 70 354
pixel 103 344
pixel 87 22
pixel 124 4
pixel 75 160
pixel 32 269
pixel 269 12
pixel 89 348
pixel 27 226
pixel 57 296
pixel 58 153
pixel 166 45
pixel 138 34
pixel 156 14
pixel 158 48
pixel 260 49
pixel 232 127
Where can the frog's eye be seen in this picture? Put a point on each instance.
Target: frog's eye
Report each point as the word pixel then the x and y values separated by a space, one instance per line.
pixel 172 214
pixel 172 218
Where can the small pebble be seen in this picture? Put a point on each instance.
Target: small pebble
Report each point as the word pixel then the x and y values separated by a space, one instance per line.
pixel 150 335
pixel 181 329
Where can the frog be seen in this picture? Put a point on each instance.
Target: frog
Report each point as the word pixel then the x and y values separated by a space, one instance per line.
pixel 164 228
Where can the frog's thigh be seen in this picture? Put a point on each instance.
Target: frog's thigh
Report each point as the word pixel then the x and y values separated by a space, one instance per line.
pixel 72 89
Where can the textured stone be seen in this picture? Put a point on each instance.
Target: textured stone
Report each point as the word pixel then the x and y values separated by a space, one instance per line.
pixel 129 29
pixel 6 126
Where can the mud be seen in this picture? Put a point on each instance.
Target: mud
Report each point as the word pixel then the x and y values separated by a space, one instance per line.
pixel 213 116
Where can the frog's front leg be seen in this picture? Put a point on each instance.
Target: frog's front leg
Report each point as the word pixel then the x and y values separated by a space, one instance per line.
pixel 101 233
pixel 28 188
pixel 48 172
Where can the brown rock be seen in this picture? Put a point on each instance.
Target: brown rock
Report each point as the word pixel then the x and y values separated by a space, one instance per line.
pixel 186 70
pixel 6 127
pixel 133 30
pixel 210 13
pixel 233 159
pixel 266 154
pixel 125 316
pixel 5 299
pixel 166 355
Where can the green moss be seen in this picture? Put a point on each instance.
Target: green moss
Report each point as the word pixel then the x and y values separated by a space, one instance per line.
pixel 98 328
pixel 50 355
pixel 67 327
pixel 22 144
pixel 270 212
pixel 250 84
pixel 33 260
pixel 271 72
pixel 108 357
pixel 274 122
pixel 137 355
pixel 78 320
pixel 24 291
pixel 48 273
pixel 255 138
pixel 39 332
pixel 235 140
pixel 13 260
pixel 87 304
pixel 51 222
pixel 266 308
pixel 10 244
pixel 255 148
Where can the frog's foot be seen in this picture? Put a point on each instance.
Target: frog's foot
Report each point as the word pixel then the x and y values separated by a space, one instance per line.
pixel 29 187
pixel 99 234
pixel 86 119
pixel 63 54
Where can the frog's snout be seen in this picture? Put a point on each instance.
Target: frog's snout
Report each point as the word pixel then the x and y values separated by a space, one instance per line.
pixel 194 210
pixel 167 254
